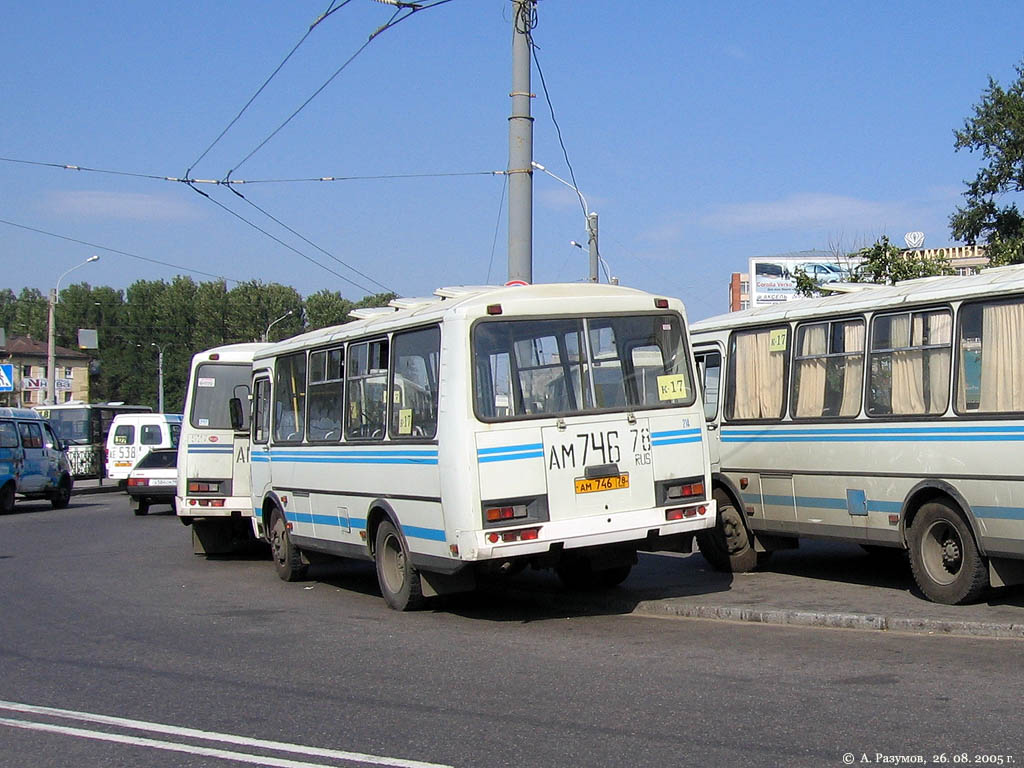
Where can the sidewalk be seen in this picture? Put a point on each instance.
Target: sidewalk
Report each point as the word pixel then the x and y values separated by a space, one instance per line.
pixel 820 584
pixel 93 486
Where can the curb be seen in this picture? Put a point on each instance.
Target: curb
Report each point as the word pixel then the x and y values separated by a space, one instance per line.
pixel 668 608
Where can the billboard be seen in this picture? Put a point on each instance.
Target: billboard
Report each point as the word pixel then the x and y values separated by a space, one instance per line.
pixel 773 278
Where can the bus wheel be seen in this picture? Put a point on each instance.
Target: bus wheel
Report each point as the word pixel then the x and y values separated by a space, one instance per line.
pixel 728 547
pixel 62 496
pixel 7 499
pixel 286 556
pixel 399 580
pixel 944 556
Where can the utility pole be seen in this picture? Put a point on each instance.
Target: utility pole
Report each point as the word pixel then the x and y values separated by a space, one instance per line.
pixel 595 276
pixel 520 148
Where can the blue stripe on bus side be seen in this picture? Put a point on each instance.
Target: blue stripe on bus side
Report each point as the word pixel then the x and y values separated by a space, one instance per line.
pixel 510 453
pixel 939 433
pixel 359 523
pixel 876 505
pixel 210 449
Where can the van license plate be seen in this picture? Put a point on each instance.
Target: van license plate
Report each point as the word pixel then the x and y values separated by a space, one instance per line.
pixel 593 484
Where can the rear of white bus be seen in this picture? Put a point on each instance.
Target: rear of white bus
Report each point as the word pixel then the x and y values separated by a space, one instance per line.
pixel 591 442
pixel 213 459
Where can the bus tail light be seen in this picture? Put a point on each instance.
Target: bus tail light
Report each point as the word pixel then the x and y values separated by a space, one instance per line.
pixel 194 486
pixel 510 512
pixel 685 491
pixel 682 513
pixel 523 534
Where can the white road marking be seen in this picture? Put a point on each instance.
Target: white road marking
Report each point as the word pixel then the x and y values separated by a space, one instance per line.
pixel 193 733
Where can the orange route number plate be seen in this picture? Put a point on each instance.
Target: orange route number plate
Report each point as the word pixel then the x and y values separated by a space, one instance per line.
pixel 594 484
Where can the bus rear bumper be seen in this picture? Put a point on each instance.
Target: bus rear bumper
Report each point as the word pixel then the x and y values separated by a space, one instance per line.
pixel 198 507
pixel 596 531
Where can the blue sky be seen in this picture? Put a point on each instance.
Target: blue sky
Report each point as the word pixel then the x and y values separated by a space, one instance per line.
pixel 703 134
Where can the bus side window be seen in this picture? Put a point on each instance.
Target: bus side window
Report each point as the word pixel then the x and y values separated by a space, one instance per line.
pixel 261 412
pixel 414 386
pixel 367 385
pixel 709 368
pixel 756 387
pixel 290 398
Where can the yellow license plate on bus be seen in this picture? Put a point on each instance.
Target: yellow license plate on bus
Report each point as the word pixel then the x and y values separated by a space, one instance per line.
pixel 594 484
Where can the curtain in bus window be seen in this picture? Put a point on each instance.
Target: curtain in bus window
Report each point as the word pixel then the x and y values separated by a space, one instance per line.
pixel 759 373
pixel 907 369
pixel 1002 358
pixel 939 326
pixel 853 368
pixel 810 373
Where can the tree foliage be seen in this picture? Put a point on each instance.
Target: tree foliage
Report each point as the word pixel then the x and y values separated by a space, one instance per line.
pixel 180 318
pixel 997 131
pixel 886 263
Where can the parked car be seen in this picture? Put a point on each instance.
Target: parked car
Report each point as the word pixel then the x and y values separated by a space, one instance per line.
pixel 133 435
pixel 33 460
pixel 153 480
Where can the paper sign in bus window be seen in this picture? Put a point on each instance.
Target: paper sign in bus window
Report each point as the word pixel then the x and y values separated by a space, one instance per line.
pixel 405 421
pixel 206 381
pixel 778 340
pixel 672 386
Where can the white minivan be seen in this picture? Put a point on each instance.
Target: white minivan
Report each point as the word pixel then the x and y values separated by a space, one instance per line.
pixel 133 435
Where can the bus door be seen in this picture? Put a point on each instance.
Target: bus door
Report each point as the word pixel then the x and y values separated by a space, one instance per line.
pixel 709 372
pixel 259 465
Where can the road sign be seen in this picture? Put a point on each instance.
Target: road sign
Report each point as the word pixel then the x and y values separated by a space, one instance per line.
pixel 7 377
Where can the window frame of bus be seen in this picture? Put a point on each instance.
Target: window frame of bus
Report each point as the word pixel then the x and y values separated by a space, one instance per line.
pixel 796 358
pixel 699 356
pixel 730 381
pixel 686 354
pixel 325 383
pixel 392 426
pixel 300 431
pixel 261 382
pixel 958 365
pixel 911 311
pixel 352 359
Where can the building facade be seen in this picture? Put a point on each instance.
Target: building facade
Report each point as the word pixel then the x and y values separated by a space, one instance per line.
pixel 27 359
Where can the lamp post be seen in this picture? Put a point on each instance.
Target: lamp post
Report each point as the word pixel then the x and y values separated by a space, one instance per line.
pixel 159 373
pixel 595 256
pixel 266 333
pixel 51 376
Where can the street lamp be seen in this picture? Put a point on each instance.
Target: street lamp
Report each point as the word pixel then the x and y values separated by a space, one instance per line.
pixel 266 333
pixel 595 256
pixel 51 375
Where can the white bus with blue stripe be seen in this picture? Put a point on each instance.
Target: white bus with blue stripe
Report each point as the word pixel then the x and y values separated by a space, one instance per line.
pixel 213 493
pixel 483 428
pixel 891 416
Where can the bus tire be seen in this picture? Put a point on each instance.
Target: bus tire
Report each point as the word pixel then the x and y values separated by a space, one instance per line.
pixel 7 499
pixel 286 556
pixel 944 557
pixel 61 494
pixel 398 579
pixel 729 547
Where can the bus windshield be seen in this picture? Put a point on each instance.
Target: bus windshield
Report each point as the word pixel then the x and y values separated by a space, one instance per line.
pixel 71 424
pixel 215 385
pixel 564 366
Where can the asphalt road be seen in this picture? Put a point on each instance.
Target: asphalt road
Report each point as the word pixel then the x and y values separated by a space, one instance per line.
pixel 197 662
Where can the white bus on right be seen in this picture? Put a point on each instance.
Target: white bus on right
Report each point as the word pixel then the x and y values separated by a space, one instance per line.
pixel 891 416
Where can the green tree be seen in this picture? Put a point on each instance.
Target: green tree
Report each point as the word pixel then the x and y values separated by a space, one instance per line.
pixel 997 131
pixel 31 314
pixel 326 308
pixel 886 263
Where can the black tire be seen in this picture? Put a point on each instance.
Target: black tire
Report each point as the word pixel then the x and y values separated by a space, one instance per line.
pixel 141 508
pixel 577 573
pixel 729 547
pixel 286 556
pixel 944 556
pixel 62 495
pixel 398 579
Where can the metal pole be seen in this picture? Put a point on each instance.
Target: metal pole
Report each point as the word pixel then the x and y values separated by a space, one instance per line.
pixel 160 376
pixel 51 349
pixel 595 277
pixel 520 149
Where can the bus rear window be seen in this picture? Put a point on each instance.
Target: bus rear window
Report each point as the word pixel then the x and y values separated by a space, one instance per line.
pixel 562 366
pixel 215 385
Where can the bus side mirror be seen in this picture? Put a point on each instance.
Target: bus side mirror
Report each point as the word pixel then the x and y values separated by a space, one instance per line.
pixel 237 415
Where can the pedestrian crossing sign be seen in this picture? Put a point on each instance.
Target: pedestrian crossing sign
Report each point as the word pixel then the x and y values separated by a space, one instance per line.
pixel 7 377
